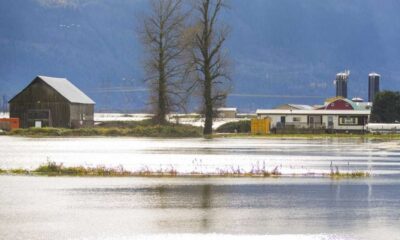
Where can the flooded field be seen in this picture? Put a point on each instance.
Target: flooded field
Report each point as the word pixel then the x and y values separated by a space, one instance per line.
pixel 205 156
pixel 201 208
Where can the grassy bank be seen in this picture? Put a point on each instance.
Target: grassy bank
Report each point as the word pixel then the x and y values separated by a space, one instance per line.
pixel 177 131
pixel 128 129
pixel 146 128
pixel 313 136
pixel 55 169
pixel 357 174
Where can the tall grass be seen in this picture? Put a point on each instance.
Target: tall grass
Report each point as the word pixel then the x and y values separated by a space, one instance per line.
pixel 336 174
pixel 58 169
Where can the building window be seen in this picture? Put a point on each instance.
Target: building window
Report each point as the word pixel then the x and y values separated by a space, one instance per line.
pixel 296 119
pixel 348 120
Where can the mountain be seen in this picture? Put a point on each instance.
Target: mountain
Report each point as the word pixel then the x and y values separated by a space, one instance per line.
pixel 282 50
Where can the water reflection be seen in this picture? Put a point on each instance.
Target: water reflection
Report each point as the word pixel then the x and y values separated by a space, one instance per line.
pixel 75 208
pixel 206 205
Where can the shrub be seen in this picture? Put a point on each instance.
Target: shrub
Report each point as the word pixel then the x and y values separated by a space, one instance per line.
pixel 19 171
pixel 125 124
pixel 38 132
pixel 49 168
pixel 243 126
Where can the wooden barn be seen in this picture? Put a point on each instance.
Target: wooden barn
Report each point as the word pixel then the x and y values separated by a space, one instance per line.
pixel 52 102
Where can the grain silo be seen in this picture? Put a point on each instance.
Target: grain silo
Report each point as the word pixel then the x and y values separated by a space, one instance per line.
pixel 341 84
pixel 373 85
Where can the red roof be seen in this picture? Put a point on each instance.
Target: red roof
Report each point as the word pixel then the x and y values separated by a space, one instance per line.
pixel 338 104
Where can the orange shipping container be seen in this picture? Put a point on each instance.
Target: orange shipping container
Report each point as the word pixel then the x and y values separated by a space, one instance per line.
pixel 260 126
pixel 13 123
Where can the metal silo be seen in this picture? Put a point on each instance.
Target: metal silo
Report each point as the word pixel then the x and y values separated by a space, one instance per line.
pixel 341 84
pixel 373 85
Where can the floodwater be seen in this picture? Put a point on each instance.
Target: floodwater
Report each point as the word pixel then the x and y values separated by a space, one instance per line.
pixel 192 208
pixel 206 156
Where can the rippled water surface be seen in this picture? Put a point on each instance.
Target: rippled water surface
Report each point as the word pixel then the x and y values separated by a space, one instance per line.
pixel 208 156
pixel 193 208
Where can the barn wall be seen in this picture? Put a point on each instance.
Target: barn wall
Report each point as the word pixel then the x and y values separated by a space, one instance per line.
pixel 339 105
pixel 82 115
pixel 37 100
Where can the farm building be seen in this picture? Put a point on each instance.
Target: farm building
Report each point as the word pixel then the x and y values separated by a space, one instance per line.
pixel 226 112
pixel 334 120
pixel 340 103
pixel 52 102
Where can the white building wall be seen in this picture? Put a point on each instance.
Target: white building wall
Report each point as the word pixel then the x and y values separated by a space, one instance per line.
pixel 276 118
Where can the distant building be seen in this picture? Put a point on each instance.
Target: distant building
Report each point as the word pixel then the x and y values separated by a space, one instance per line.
pixel 337 114
pixel 337 103
pixel 340 103
pixel 330 120
pixel 357 99
pixel 226 112
pixel 294 107
pixel 373 85
pixel 52 102
pixel 341 84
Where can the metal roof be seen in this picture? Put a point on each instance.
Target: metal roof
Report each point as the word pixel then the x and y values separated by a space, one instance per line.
pixel 301 106
pixel 227 109
pixel 374 74
pixel 67 89
pixel 312 112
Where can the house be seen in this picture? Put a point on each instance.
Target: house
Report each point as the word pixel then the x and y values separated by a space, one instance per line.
pixel 334 120
pixel 52 102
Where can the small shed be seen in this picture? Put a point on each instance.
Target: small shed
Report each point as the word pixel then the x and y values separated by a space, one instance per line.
pixel 52 102
pixel 226 112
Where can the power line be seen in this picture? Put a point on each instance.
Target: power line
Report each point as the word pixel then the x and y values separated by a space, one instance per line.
pixel 272 96
pixel 245 95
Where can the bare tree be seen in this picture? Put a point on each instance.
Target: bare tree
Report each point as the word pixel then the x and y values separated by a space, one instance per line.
pixel 209 59
pixel 162 36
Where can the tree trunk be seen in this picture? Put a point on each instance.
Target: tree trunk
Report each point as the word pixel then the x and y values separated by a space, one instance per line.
pixel 161 111
pixel 208 111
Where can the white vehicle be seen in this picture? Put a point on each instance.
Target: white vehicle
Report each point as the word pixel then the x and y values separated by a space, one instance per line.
pixel 383 127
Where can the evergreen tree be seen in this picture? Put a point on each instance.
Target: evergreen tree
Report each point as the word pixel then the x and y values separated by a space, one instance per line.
pixel 386 108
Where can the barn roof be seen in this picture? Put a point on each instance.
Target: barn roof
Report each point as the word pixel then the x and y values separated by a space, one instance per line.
pixel 67 89
pixel 64 87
